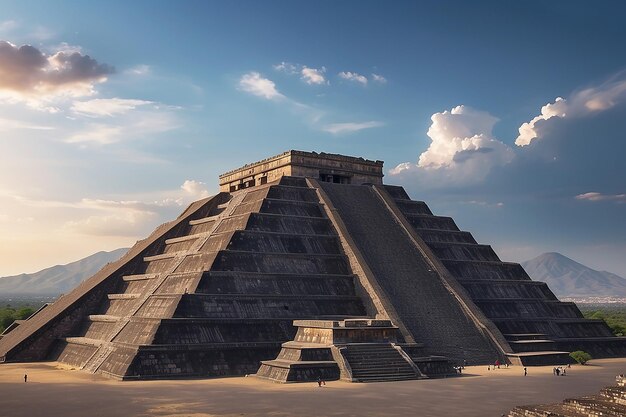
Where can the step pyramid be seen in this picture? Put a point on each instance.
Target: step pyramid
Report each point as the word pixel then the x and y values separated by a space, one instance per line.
pixel 301 236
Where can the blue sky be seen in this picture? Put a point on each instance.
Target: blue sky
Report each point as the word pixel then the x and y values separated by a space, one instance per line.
pixel 509 116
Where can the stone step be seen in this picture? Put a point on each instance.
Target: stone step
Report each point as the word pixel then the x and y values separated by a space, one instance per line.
pixel 614 394
pixel 185 238
pixel 202 220
pixel 520 346
pixel 595 406
pixel 123 296
pixel 163 256
pixel 83 341
pixel 284 363
pixel 542 358
pixel 103 318
pixel 139 277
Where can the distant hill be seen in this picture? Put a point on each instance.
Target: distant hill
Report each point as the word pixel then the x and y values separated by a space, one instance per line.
pixel 568 278
pixel 58 279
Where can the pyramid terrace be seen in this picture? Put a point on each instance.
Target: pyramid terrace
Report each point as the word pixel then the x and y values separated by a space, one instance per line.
pixel 305 265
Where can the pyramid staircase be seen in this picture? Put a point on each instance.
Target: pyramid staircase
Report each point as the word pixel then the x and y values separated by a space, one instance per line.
pixel 214 292
pixel 378 362
pixel 538 327
pixel 356 350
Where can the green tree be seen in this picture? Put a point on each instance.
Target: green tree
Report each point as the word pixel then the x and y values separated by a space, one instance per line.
pixel 24 313
pixel 580 356
pixel 7 316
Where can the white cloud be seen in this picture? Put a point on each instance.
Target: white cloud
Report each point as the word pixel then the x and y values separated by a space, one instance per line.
pixel 483 203
pixel 107 107
pixel 463 148
pixel 379 78
pixel 581 103
pixel 124 223
pixel 527 130
pixel 351 127
pixel 254 84
pixel 195 189
pixel 141 69
pixel 286 67
pixel 7 124
pixel 97 133
pixel 594 196
pixel 353 76
pixel 8 26
pixel 313 75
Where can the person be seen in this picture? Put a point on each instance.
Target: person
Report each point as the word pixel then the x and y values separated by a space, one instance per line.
pixel 563 373
pixel 319 381
pixel 554 371
pixel 497 364
pixel 525 371
pixel 558 371
pixel 25 378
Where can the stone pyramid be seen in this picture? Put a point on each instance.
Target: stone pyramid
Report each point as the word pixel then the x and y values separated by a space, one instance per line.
pixel 302 236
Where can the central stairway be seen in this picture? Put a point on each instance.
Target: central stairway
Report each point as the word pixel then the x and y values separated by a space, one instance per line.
pixel 377 362
pixel 355 350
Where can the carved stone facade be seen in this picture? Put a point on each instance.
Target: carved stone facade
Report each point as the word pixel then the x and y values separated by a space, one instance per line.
pixel 323 166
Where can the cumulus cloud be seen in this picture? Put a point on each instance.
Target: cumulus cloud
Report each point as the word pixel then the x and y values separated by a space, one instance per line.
pixel 255 84
pixel 354 77
pixel 595 196
pixel 351 127
pixel 107 107
pixel 379 78
pixel 195 189
pixel 26 72
pixel 462 145
pixel 581 103
pixel 313 75
pixel 527 130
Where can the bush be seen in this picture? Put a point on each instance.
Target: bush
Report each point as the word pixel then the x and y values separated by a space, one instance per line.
pixel 581 357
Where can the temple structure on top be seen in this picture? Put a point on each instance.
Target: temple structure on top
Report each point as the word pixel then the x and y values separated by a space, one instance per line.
pixel 338 169
pixel 307 265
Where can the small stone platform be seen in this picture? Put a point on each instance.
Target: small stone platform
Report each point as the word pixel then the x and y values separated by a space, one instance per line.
pixel 356 350
pixel 610 401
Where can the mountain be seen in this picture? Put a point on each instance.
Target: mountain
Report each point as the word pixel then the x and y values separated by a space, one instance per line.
pixel 58 279
pixel 568 278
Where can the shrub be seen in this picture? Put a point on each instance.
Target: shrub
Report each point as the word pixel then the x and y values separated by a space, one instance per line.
pixel 581 357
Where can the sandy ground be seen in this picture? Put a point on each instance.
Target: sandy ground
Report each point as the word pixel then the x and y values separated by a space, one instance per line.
pixel 54 391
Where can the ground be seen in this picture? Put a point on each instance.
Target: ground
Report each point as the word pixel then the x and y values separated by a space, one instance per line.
pixel 54 391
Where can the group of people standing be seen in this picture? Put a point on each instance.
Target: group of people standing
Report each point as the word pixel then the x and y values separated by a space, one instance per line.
pixel 560 371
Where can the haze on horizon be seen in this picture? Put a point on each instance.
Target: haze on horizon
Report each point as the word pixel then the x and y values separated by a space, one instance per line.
pixel 508 116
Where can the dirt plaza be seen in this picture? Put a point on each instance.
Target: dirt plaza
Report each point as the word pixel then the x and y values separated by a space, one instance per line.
pixel 53 390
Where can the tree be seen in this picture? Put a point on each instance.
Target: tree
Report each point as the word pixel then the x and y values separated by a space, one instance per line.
pixel 581 357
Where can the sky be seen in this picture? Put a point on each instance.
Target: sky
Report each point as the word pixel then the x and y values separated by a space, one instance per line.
pixel 508 116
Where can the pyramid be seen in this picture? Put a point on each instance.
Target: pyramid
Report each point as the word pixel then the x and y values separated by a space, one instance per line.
pixel 302 236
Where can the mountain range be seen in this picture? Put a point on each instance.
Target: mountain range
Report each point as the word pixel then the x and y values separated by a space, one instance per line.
pixel 564 276
pixel 568 278
pixel 58 279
